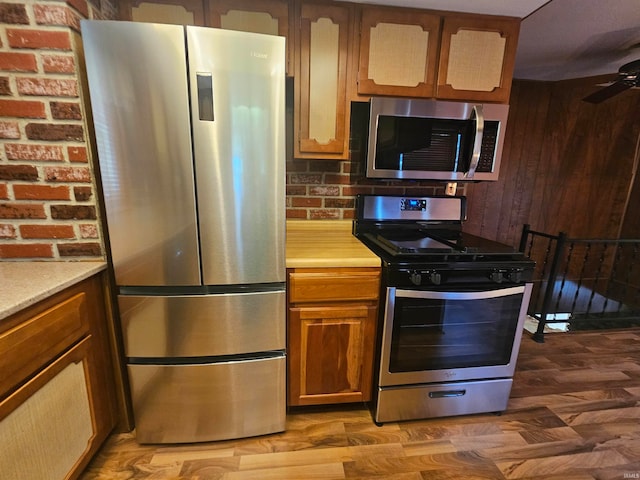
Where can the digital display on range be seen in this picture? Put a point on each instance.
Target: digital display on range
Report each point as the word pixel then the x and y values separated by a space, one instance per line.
pixel 413 204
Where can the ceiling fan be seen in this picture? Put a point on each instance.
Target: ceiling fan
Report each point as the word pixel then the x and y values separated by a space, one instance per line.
pixel 628 76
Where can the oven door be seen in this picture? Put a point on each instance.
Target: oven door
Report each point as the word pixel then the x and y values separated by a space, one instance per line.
pixel 444 336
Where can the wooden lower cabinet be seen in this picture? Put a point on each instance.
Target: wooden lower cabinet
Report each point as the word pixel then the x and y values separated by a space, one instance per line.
pixel 57 397
pixel 332 321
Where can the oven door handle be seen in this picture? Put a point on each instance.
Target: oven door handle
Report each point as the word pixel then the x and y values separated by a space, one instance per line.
pixel 430 294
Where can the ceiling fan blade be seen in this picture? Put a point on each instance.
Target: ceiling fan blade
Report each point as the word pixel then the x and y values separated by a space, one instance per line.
pixel 608 92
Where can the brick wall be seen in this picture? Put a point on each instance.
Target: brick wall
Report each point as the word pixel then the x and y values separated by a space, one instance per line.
pixel 326 189
pixel 48 207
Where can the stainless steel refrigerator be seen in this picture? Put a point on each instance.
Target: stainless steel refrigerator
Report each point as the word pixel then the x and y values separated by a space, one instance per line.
pixel 189 125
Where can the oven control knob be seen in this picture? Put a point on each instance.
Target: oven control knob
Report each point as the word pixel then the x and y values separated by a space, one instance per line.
pixel 515 276
pixel 415 278
pixel 496 276
pixel 435 278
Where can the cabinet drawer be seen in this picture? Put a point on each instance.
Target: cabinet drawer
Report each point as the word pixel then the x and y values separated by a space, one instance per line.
pixel 348 285
pixel 31 344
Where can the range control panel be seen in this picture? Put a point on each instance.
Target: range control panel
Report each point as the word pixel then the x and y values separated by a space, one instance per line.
pixel 433 277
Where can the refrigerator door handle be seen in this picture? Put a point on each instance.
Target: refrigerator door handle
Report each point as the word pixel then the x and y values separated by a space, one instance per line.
pixel 205 96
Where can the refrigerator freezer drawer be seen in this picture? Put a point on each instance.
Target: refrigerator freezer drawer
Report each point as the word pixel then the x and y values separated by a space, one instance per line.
pixel 203 325
pixel 205 402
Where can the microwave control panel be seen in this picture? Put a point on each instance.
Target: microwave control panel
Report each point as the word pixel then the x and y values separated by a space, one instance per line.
pixel 488 147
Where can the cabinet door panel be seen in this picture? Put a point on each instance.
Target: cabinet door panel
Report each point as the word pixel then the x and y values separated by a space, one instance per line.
pixel 331 354
pixel 178 12
pixel 398 52
pixel 47 427
pixel 270 17
pixel 321 82
pixel 477 58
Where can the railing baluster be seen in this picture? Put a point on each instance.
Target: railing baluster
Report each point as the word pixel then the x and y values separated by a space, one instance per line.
pixel 538 336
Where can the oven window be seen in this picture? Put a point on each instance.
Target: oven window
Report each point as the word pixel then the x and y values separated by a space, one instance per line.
pixel 434 334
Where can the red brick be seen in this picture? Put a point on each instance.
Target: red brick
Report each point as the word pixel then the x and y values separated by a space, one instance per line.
pixel 79 249
pixel 41 192
pixel 18 172
pixel 324 213
pixel 65 111
pixel 82 194
pixel 7 231
pixel 4 191
pixel 298 190
pixel 73 212
pixel 67 174
pixel 13 13
pixel 18 62
pixel 306 178
pixel 324 191
pixel 81 6
pixel 34 152
pixel 339 203
pixel 47 87
pixel 53 132
pixel 77 154
pixel 22 109
pixel 58 64
pixel 88 230
pixel 331 179
pixel 352 190
pixel 5 86
pixel 56 15
pixel 296 213
pixel 9 130
pixel 39 39
pixel 306 202
pixel 46 231
pixel 22 210
pixel 26 250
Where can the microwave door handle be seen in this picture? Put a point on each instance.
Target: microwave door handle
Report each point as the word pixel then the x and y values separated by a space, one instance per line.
pixel 477 144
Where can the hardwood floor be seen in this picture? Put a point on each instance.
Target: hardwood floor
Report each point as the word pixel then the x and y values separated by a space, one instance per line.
pixel 574 414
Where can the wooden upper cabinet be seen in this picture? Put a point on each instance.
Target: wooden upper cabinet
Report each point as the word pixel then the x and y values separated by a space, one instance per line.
pixel 398 52
pixel 270 17
pixel 477 56
pixel 320 112
pixel 179 12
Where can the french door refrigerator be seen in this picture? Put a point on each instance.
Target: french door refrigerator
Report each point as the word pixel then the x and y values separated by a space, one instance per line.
pixel 189 125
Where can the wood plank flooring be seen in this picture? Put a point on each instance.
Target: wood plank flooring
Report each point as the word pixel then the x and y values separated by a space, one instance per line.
pixel 574 414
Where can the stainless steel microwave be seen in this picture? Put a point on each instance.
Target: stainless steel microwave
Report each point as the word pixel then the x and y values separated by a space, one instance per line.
pixel 434 140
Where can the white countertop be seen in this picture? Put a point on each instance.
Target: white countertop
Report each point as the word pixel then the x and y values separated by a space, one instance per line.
pixel 25 283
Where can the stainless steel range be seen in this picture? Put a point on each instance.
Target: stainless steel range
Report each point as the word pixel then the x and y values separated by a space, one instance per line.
pixel 454 309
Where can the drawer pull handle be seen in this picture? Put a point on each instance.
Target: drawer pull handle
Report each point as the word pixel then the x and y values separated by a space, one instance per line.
pixel 447 394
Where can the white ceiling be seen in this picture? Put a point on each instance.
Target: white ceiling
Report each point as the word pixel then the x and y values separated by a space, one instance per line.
pixel 559 39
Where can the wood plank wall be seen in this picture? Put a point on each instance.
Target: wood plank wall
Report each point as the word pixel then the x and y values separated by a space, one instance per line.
pixel 567 165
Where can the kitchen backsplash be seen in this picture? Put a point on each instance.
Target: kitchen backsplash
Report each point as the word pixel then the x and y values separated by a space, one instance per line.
pixel 326 189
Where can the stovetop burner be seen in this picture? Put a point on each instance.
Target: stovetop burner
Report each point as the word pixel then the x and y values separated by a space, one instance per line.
pixel 430 238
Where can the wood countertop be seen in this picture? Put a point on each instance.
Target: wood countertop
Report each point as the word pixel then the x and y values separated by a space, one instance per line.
pixel 24 283
pixel 326 243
